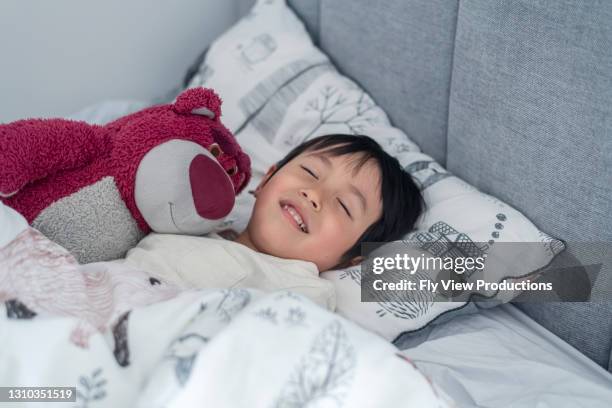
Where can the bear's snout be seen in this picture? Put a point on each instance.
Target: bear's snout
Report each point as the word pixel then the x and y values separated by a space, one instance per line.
pixel 212 189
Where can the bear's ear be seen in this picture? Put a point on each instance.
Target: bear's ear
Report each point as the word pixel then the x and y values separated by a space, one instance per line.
pixel 198 101
pixel 204 112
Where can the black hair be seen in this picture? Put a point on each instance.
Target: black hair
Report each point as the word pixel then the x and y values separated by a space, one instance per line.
pixel 402 202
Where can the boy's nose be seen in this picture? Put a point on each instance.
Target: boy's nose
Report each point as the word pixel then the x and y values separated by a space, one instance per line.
pixel 312 197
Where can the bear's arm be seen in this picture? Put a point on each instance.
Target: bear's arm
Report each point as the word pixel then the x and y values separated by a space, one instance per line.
pixel 32 149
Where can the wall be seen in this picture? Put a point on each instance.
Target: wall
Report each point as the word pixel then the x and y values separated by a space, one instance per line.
pixel 58 56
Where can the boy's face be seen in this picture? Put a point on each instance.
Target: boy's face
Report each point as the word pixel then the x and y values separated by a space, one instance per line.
pixel 315 208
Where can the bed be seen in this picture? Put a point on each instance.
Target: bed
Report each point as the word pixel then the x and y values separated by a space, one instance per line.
pixel 514 97
pixel 500 357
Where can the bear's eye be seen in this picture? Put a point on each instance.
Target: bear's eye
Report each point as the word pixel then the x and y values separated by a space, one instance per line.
pixel 232 171
pixel 215 150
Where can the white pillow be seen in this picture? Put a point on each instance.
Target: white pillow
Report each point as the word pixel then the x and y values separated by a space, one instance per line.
pixel 278 90
pixel 12 224
pixel 456 213
pixel 254 58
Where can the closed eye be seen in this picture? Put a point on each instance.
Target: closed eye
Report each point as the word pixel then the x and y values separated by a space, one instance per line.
pixel 306 169
pixel 345 209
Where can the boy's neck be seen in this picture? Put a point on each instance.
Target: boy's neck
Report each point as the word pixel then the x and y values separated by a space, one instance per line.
pixel 245 239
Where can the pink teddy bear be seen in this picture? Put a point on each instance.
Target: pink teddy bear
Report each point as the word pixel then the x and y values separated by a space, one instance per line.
pixel 97 190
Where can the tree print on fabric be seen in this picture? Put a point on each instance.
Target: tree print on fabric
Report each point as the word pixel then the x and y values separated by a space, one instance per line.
pixel 184 351
pixel 324 375
pixel 232 302
pixel 408 304
pixel 353 109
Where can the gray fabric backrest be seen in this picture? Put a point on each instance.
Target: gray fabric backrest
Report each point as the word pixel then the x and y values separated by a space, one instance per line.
pixel 531 110
pixel 401 52
pixel 530 122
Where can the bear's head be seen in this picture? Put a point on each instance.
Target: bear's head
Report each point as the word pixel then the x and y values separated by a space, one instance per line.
pixel 176 166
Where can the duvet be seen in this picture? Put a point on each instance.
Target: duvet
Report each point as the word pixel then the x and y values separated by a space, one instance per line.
pixel 123 338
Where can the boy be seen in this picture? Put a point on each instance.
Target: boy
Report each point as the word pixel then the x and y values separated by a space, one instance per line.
pixel 312 211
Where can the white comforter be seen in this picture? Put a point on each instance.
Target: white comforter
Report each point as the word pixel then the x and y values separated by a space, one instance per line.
pixel 219 348
pixel 125 339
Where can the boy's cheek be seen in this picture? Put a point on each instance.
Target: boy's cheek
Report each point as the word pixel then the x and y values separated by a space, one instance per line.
pixel 334 228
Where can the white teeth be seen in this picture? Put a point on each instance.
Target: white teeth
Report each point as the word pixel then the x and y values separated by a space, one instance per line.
pixel 296 217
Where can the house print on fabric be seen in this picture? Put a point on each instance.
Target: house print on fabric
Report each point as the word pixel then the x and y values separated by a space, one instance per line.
pixel 257 50
pixel 442 240
pixel 427 172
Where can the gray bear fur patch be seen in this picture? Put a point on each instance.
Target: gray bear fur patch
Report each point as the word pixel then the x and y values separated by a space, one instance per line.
pixel 94 224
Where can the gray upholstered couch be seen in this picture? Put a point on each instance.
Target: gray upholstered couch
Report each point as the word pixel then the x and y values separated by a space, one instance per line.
pixel 513 96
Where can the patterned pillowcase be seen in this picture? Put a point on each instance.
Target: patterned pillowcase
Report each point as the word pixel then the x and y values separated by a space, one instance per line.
pixel 458 218
pixel 280 90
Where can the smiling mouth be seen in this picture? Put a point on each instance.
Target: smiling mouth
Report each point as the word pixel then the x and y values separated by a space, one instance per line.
pixel 294 216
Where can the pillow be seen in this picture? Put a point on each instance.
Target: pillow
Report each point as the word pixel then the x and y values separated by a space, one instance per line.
pixel 12 223
pixel 280 90
pixel 459 217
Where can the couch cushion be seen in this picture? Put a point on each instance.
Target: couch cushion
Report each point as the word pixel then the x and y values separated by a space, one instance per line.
pixel 530 121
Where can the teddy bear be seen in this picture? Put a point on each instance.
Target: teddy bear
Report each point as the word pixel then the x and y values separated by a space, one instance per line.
pixel 97 190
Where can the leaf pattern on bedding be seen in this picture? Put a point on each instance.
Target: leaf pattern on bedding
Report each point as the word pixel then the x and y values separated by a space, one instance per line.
pixel 324 375
pixel 295 316
pixel 267 314
pixel 91 388
pixel 288 295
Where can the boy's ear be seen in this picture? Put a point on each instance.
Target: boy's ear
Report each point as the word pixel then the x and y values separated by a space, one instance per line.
pixel 351 262
pixel 356 260
pixel 265 178
pixel 271 170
